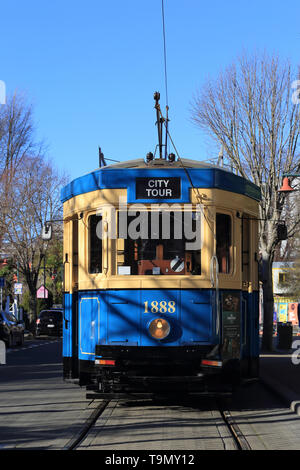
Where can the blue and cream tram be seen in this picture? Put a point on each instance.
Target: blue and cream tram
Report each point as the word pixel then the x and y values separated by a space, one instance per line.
pixel 160 277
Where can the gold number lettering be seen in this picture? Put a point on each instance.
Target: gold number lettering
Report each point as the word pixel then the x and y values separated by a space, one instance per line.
pixel 162 307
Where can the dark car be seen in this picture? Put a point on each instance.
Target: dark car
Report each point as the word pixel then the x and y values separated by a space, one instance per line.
pixel 11 329
pixel 49 322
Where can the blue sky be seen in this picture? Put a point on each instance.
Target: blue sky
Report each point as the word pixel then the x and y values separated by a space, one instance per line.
pixel 90 68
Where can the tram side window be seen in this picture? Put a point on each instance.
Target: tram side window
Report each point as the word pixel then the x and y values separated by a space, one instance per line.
pixel 95 245
pixel 224 242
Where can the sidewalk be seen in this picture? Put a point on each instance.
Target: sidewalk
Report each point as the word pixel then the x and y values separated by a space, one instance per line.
pixel 280 370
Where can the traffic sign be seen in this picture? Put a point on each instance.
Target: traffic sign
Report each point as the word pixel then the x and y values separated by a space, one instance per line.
pixel 2 281
pixel 18 286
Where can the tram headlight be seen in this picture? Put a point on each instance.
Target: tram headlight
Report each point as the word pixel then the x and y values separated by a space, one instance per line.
pixel 159 328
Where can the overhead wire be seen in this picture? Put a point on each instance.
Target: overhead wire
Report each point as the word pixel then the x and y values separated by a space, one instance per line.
pixel 165 122
pixel 196 190
pixel 166 75
pixel 214 263
pixel 165 50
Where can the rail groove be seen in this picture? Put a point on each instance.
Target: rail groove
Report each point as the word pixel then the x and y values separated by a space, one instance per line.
pixel 239 438
pixel 76 440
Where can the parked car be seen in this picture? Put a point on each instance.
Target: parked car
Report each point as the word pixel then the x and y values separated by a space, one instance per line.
pixel 49 322
pixel 11 329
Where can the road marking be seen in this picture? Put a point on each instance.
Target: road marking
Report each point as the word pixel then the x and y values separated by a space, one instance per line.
pixel 42 343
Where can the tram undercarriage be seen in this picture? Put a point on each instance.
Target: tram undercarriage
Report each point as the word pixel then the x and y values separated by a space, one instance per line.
pixel 130 372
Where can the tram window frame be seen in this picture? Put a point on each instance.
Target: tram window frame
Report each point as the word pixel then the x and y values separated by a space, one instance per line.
pixel 95 264
pixel 75 254
pixel 224 242
pixel 246 248
pixel 127 246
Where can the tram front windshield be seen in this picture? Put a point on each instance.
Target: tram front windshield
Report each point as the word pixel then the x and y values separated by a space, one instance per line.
pixel 157 243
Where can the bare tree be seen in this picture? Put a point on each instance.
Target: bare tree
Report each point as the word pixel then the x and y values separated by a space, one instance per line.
pixel 249 110
pixel 16 132
pixel 16 141
pixel 34 198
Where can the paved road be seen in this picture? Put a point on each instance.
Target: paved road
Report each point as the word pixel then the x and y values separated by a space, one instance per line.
pixel 37 409
pixel 196 425
pixel 158 426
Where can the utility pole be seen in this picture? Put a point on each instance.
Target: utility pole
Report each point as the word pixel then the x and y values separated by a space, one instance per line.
pixel 44 276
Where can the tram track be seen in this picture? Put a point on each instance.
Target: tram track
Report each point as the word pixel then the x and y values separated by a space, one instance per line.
pixel 233 438
pixel 75 442
pixel 237 435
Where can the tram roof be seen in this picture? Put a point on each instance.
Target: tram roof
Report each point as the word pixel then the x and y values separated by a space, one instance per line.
pixel 201 173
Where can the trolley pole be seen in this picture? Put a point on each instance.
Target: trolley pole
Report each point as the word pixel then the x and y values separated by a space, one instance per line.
pixel 159 122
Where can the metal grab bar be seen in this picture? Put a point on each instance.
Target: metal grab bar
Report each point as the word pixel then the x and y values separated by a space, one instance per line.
pixel 214 278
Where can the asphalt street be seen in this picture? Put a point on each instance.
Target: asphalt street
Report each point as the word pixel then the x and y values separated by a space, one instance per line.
pixel 38 410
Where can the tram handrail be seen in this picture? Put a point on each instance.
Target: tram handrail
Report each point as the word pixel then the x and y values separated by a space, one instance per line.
pixel 214 278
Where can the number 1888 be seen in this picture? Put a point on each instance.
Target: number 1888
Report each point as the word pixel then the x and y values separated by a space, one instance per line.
pixel 160 307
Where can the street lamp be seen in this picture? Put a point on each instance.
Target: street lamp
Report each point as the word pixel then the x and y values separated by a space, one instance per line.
pixel 286 188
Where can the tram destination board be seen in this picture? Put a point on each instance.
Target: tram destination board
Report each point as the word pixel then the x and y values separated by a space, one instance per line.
pixel 158 188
